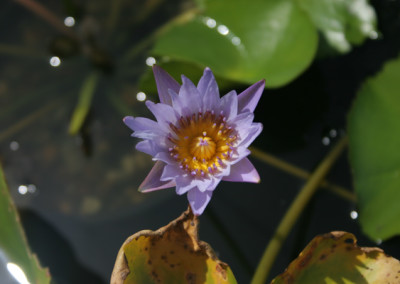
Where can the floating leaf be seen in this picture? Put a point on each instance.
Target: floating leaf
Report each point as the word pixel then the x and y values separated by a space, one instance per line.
pixel 245 40
pixel 172 254
pixel 336 258
pixel 374 140
pixel 13 243
pixel 343 23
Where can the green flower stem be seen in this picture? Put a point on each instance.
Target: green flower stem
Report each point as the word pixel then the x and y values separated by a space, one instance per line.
pixel 294 212
pixel 84 103
pixel 46 15
pixel 299 172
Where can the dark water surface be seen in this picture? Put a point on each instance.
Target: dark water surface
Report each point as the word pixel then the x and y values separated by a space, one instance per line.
pixel 77 195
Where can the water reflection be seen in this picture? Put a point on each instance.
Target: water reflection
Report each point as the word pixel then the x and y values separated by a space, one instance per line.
pixel 14 145
pixel 24 189
pixel 223 30
pixel 150 61
pixel 353 214
pixel 326 141
pixel 141 96
pixel 17 273
pixel 55 61
pixel 69 21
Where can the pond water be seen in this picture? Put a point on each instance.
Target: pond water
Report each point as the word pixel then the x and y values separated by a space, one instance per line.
pixel 77 195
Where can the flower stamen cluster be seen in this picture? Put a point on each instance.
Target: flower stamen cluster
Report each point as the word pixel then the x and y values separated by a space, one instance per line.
pixel 202 143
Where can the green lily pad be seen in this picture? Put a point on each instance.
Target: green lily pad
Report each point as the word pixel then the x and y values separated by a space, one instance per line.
pixel 13 242
pixel 374 141
pixel 172 254
pixel 343 23
pixel 335 258
pixel 245 41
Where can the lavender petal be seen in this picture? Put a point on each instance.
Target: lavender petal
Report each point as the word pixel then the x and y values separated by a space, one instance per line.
pixel 164 82
pixel 248 99
pixel 208 88
pixel 229 105
pixel 243 171
pixel 198 200
pixel 164 114
pixel 152 182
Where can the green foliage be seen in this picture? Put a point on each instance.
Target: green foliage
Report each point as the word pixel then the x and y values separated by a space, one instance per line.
pixel 271 39
pixel 374 134
pixel 172 254
pixel 335 258
pixel 245 41
pixel 12 239
pixel 343 23
pixel 84 103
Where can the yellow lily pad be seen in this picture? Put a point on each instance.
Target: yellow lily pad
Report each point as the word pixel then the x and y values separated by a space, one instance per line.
pixel 172 254
pixel 335 258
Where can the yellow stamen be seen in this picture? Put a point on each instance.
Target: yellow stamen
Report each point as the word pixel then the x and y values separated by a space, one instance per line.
pixel 203 143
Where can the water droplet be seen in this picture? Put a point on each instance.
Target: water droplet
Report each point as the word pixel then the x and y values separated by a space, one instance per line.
pixel 150 61
pixel 326 141
pixel 14 145
pixel 55 61
pixel 353 214
pixel 23 189
pixel 211 23
pixel 373 35
pixel 333 133
pixel 69 21
pixel 223 30
pixel 141 96
pixel 236 41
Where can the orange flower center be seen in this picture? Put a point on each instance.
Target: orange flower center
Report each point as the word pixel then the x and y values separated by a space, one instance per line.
pixel 202 143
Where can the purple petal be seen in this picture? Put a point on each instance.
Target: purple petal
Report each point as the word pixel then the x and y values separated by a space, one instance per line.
pixel 144 128
pixel 198 200
pixel 164 114
pixel 243 171
pixel 208 88
pixel 229 105
pixel 184 183
pixel 170 172
pixel 148 147
pixel 152 182
pixel 164 82
pixel 250 134
pixel 248 99
pixel 190 100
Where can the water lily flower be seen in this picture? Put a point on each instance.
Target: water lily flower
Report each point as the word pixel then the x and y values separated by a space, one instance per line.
pixel 198 138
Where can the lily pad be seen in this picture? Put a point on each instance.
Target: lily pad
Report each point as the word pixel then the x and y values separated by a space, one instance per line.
pixel 20 260
pixel 172 254
pixel 245 41
pixel 335 258
pixel 374 141
pixel 343 23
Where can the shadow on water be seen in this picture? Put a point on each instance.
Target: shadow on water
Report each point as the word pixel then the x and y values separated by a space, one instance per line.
pixel 55 252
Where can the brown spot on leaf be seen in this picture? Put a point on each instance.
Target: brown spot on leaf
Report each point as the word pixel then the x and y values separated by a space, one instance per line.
pixel 190 278
pixel 349 241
